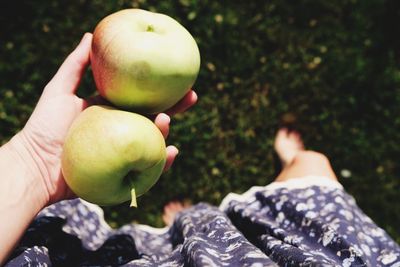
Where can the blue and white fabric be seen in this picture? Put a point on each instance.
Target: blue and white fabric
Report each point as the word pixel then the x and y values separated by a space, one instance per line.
pixel 308 221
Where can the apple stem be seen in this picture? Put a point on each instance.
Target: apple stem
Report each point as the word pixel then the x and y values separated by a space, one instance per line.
pixel 150 28
pixel 133 195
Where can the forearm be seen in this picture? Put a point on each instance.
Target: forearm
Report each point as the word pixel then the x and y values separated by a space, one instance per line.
pixel 21 195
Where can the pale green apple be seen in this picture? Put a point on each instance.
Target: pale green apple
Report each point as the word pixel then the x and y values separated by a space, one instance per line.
pixel 143 61
pixel 111 156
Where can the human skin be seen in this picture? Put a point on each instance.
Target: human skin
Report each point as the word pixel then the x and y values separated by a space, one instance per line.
pixel 30 162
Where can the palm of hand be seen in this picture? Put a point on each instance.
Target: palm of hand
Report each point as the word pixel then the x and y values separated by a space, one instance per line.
pixel 46 131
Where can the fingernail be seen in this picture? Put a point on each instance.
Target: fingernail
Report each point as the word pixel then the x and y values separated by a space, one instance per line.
pixel 176 152
pixel 195 97
pixel 166 117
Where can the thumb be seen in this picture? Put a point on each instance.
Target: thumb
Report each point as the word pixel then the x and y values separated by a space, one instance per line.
pixel 69 75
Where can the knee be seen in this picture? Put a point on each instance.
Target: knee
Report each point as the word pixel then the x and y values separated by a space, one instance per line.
pixel 312 157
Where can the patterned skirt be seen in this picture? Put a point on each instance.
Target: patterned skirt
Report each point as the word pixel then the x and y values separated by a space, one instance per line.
pixel 308 221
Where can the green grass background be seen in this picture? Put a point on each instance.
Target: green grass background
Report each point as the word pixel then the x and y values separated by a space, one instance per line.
pixel 331 68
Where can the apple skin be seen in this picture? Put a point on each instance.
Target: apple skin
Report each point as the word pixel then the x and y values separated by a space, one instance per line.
pixel 109 152
pixel 143 61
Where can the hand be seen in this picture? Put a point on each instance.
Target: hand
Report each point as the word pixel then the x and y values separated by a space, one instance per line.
pixel 44 134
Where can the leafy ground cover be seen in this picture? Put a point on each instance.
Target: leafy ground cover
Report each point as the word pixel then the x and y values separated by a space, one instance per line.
pixel 330 68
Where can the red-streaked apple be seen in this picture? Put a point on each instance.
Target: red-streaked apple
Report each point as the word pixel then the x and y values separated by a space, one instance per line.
pixel 111 156
pixel 143 61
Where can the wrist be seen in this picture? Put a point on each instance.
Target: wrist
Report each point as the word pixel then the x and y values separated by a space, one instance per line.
pixel 22 193
pixel 24 160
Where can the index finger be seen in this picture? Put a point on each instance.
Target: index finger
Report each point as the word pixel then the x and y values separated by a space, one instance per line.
pixel 69 75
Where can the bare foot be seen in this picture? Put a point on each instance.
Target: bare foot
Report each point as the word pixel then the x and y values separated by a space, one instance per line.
pixel 172 208
pixel 287 144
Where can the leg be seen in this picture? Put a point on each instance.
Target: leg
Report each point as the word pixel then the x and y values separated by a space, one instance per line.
pixel 298 162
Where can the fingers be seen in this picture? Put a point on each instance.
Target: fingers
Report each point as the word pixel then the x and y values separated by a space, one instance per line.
pixel 186 102
pixel 69 75
pixel 172 152
pixel 162 121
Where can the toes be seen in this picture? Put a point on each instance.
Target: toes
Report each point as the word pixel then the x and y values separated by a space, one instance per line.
pixel 170 211
pixel 281 135
pixel 295 136
pixel 282 132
